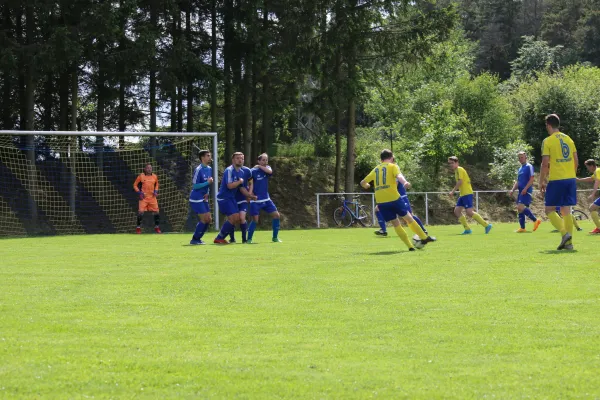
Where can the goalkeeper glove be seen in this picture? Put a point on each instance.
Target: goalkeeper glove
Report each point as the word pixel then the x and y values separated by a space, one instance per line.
pixel 142 196
pixel 155 193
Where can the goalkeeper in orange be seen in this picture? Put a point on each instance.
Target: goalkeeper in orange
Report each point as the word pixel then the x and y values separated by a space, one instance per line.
pixel 146 185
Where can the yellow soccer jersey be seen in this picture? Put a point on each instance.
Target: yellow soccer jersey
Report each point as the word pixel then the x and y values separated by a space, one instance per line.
pixel 465 188
pixel 596 174
pixel 560 148
pixel 384 176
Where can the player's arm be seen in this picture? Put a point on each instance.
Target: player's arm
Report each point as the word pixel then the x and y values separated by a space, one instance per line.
pixel 266 169
pixel 247 194
pixel 369 178
pixel 576 161
pixel 403 181
pixel 510 193
pixel 137 189
pixel 544 172
pixel 231 184
pixel 251 185
pixel 588 179
pixel 456 187
pixel 529 184
pixel 595 190
pixel 156 187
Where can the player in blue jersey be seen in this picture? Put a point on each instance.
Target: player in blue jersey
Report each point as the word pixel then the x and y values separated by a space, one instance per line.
pixel 524 184
pixel 261 174
pixel 242 203
pixel 232 182
pixel 201 182
pixel 404 196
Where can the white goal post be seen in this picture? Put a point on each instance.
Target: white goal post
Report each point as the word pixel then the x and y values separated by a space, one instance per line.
pixel 75 182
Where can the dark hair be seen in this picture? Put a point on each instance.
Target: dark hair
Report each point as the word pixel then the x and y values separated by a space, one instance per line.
pixel 237 153
pixel 591 162
pixel 386 154
pixel 553 120
pixel 453 158
pixel 145 165
pixel 262 156
pixel 203 153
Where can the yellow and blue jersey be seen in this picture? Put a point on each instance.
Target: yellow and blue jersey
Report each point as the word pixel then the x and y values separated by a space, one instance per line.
pixel 465 188
pixel 384 176
pixel 561 149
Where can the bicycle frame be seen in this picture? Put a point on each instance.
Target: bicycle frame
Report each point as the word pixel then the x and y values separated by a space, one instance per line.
pixel 354 213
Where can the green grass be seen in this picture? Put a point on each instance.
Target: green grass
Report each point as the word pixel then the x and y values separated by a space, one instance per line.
pixel 326 314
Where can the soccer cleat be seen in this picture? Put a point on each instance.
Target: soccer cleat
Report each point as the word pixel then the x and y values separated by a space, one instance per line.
pixel 595 231
pixel 277 240
pixel 138 230
pixel 157 229
pixel 220 241
pixel 568 247
pixel 536 224
pixel 196 242
pixel 411 249
pixel 566 237
pixel 521 230
pixel 249 241
pixel 488 228
pixel 428 239
pixel 579 229
pixel 232 241
pixel 381 232
pixel 244 241
pixel 467 232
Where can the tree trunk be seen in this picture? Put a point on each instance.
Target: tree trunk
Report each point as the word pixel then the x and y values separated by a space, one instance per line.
pixel 100 111
pixel 63 118
pixel 179 109
pixel 48 102
pixel 255 148
pixel 7 74
pixel 267 114
pixel 229 118
pixel 239 100
pixel 213 79
pixel 190 86
pixel 152 83
pixel 74 95
pixel 247 118
pixel 73 143
pixel 350 142
pixel 22 69
pixel 29 108
pixel 122 112
pixel 338 124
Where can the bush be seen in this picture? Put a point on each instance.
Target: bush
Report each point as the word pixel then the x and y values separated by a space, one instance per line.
pixel 506 163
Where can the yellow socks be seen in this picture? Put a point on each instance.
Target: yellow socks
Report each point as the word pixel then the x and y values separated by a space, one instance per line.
pixel 403 236
pixel 569 223
pixel 596 218
pixel 557 222
pixel 480 220
pixel 417 229
pixel 463 221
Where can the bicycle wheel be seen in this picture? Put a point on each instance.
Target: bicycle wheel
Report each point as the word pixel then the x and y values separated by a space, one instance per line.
pixel 365 217
pixel 342 217
pixel 579 215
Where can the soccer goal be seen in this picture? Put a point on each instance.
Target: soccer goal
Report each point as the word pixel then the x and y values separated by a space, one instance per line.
pixel 57 183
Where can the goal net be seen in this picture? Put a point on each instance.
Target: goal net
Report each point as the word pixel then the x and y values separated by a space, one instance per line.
pixel 54 183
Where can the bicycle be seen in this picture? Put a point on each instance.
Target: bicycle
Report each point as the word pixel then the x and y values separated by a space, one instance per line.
pixel 346 216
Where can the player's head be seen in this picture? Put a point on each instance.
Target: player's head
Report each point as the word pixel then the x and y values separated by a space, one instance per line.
pixel 590 165
pixel 387 155
pixel 552 123
pixel 522 157
pixel 148 168
pixel 237 159
pixel 263 160
pixel 205 157
pixel 453 162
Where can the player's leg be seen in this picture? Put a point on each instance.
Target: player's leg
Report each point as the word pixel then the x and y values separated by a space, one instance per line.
pixel 458 212
pixel 153 207
pixel 383 229
pixel 204 219
pixel 229 208
pixel 402 233
pixel 575 223
pixel 554 198
pixel 412 224
pixel 270 208
pixel 142 205
pixel 595 217
pixel 254 215
pixel 243 225
pixel 521 212
pixel 467 203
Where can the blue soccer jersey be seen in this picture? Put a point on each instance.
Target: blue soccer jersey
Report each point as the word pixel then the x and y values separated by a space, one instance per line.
pixel 229 175
pixel 525 174
pixel 246 174
pixel 261 183
pixel 200 181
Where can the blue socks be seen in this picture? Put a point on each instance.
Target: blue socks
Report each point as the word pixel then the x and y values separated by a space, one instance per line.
pixel 522 220
pixel 275 228
pixel 201 229
pixel 227 227
pixel 381 221
pixel 251 229
pixel 529 214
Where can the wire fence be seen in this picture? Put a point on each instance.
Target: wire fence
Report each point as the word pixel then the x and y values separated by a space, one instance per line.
pixel 436 207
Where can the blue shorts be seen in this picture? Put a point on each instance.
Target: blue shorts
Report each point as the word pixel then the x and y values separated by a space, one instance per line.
pixel 242 206
pixel 228 207
pixel 267 206
pixel 408 207
pixel 465 201
pixel 392 209
pixel 597 202
pixel 524 199
pixel 561 193
pixel 200 207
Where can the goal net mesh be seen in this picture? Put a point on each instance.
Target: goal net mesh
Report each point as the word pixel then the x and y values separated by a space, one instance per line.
pixel 57 185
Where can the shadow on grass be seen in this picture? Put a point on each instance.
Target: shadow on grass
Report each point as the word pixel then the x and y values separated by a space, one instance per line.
pixel 387 253
pixel 558 251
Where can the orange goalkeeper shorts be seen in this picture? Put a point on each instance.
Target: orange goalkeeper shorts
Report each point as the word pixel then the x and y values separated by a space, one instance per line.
pixel 148 204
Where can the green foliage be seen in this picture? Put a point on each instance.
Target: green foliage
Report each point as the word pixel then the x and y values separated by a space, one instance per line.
pixel 573 94
pixel 506 163
pixel 295 149
pixel 535 56
pixel 324 145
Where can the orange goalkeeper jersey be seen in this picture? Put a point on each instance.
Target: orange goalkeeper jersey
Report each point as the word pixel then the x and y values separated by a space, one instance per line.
pixel 149 184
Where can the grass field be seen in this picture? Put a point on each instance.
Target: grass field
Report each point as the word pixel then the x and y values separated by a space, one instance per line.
pixel 325 314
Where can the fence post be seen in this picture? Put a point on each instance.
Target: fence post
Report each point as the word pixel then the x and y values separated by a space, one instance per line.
pixel 426 209
pixel 477 201
pixel 318 212
pixel 373 207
